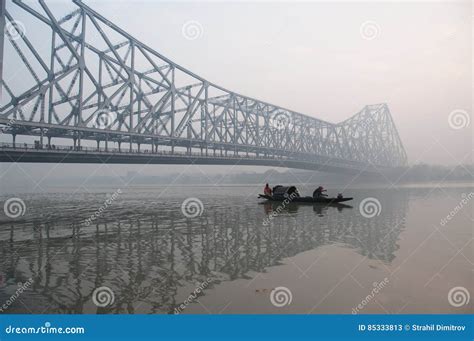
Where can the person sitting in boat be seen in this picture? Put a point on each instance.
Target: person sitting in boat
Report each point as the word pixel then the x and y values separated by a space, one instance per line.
pixel 318 192
pixel 296 193
pixel 267 190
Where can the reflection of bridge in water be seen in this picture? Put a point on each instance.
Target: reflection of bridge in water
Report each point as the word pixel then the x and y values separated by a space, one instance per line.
pixel 98 87
pixel 147 259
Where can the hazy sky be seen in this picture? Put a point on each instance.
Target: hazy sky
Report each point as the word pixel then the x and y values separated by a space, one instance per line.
pixel 311 57
pixel 328 59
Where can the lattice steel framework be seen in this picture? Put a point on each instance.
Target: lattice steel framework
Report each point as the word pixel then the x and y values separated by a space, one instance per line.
pixel 96 82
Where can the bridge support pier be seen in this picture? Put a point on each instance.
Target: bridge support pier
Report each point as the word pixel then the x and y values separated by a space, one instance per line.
pixel 14 140
pixel 49 142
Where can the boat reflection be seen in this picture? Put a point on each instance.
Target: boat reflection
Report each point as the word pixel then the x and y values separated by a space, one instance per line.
pixel 319 208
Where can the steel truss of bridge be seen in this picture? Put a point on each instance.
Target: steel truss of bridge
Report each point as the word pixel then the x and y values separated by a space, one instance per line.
pixel 85 79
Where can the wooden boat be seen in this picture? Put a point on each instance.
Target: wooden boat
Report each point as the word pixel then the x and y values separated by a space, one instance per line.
pixel 323 200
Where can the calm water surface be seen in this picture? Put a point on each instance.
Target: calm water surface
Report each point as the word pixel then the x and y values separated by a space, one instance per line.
pixel 153 257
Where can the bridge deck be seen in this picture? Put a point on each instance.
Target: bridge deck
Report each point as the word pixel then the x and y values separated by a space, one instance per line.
pixel 27 153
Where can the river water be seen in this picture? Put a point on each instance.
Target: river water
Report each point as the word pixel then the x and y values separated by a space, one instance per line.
pixel 402 250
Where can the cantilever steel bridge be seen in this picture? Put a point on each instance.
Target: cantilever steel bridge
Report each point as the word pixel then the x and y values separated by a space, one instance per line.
pixel 83 79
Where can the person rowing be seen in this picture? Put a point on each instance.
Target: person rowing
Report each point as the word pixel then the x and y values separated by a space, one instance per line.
pixel 318 192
